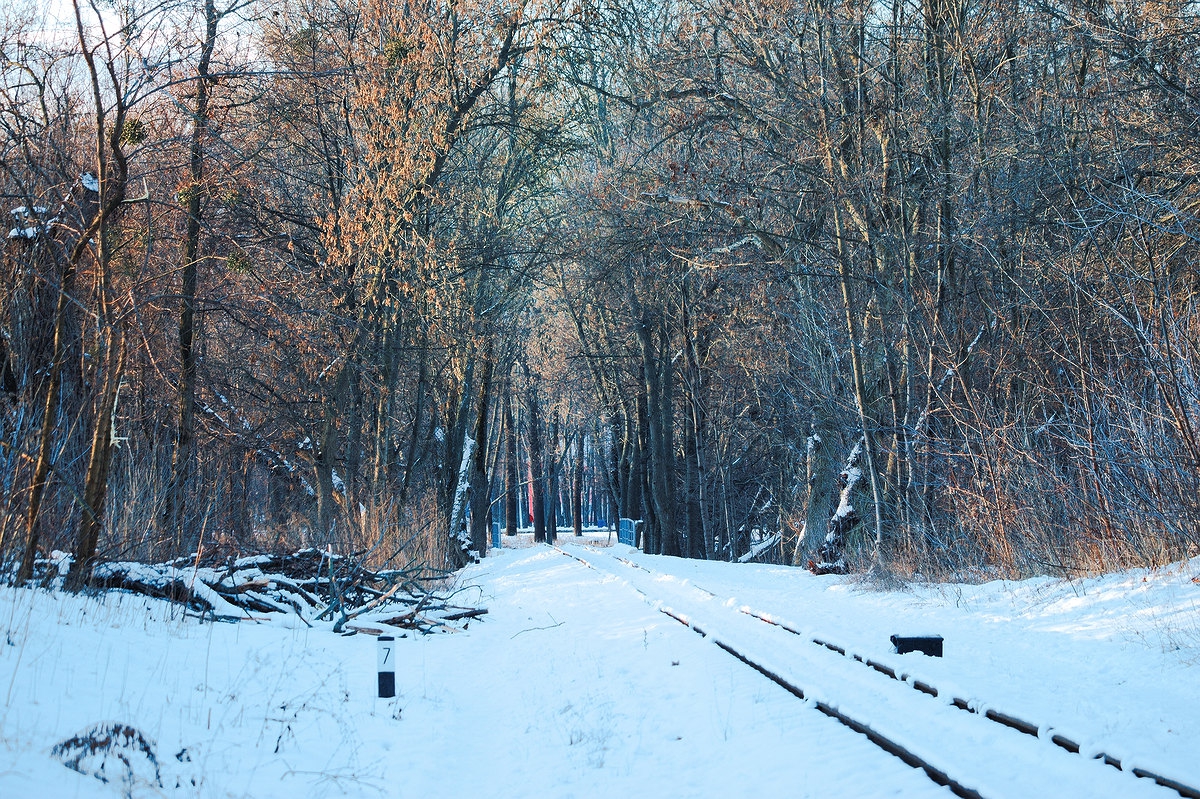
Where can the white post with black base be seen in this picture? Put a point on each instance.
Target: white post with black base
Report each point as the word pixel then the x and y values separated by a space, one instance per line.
pixel 387 666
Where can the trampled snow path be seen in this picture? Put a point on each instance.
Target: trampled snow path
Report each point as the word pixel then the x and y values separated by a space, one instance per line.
pixel 574 686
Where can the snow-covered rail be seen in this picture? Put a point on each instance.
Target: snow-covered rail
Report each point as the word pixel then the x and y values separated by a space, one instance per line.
pixel 1002 759
pixel 991 714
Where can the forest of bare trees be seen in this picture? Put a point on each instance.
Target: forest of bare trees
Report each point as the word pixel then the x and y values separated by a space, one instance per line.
pixel 904 286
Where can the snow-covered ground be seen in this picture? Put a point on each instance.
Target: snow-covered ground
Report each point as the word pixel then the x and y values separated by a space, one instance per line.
pixel 574 685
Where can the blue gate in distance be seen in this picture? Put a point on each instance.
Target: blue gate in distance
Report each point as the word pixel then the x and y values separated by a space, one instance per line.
pixel 627 531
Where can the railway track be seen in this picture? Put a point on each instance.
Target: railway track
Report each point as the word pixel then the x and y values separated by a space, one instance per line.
pixel 993 755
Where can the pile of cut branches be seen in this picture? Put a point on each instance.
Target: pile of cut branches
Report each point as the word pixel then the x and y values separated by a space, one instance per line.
pixel 319 587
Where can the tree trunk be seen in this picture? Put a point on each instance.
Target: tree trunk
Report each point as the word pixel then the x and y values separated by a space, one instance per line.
pixel 551 507
pixel 692 479
pixel 41 471
pixel 536 464
pixel 324 451
pixel 112 175
pixel 456 552
pixel 577 488
pixel 551 465
pixel 512 470
pixel 414 439
pixel 820 474
pixel 183 456
pixel 95 489
pixel 657 369
pixel 639 477
pixel 480 486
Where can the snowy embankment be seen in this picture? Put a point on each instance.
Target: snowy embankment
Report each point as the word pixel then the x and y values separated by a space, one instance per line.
pixel 574 686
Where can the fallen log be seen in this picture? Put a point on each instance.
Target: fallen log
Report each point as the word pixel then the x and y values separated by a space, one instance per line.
pixel 332 588
pixel 474 613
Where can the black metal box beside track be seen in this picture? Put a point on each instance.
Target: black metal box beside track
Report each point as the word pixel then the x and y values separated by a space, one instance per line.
pixel 925 644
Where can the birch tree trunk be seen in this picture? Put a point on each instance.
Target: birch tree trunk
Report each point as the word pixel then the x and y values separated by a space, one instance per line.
pixel 480 485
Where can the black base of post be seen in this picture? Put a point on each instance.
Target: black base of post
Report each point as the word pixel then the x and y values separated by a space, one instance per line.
pixel 387 684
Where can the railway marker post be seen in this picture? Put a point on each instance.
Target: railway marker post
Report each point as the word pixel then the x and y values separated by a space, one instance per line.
pixel 386 652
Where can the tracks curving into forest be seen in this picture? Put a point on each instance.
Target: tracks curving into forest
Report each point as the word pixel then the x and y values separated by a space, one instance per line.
pixel 975 751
